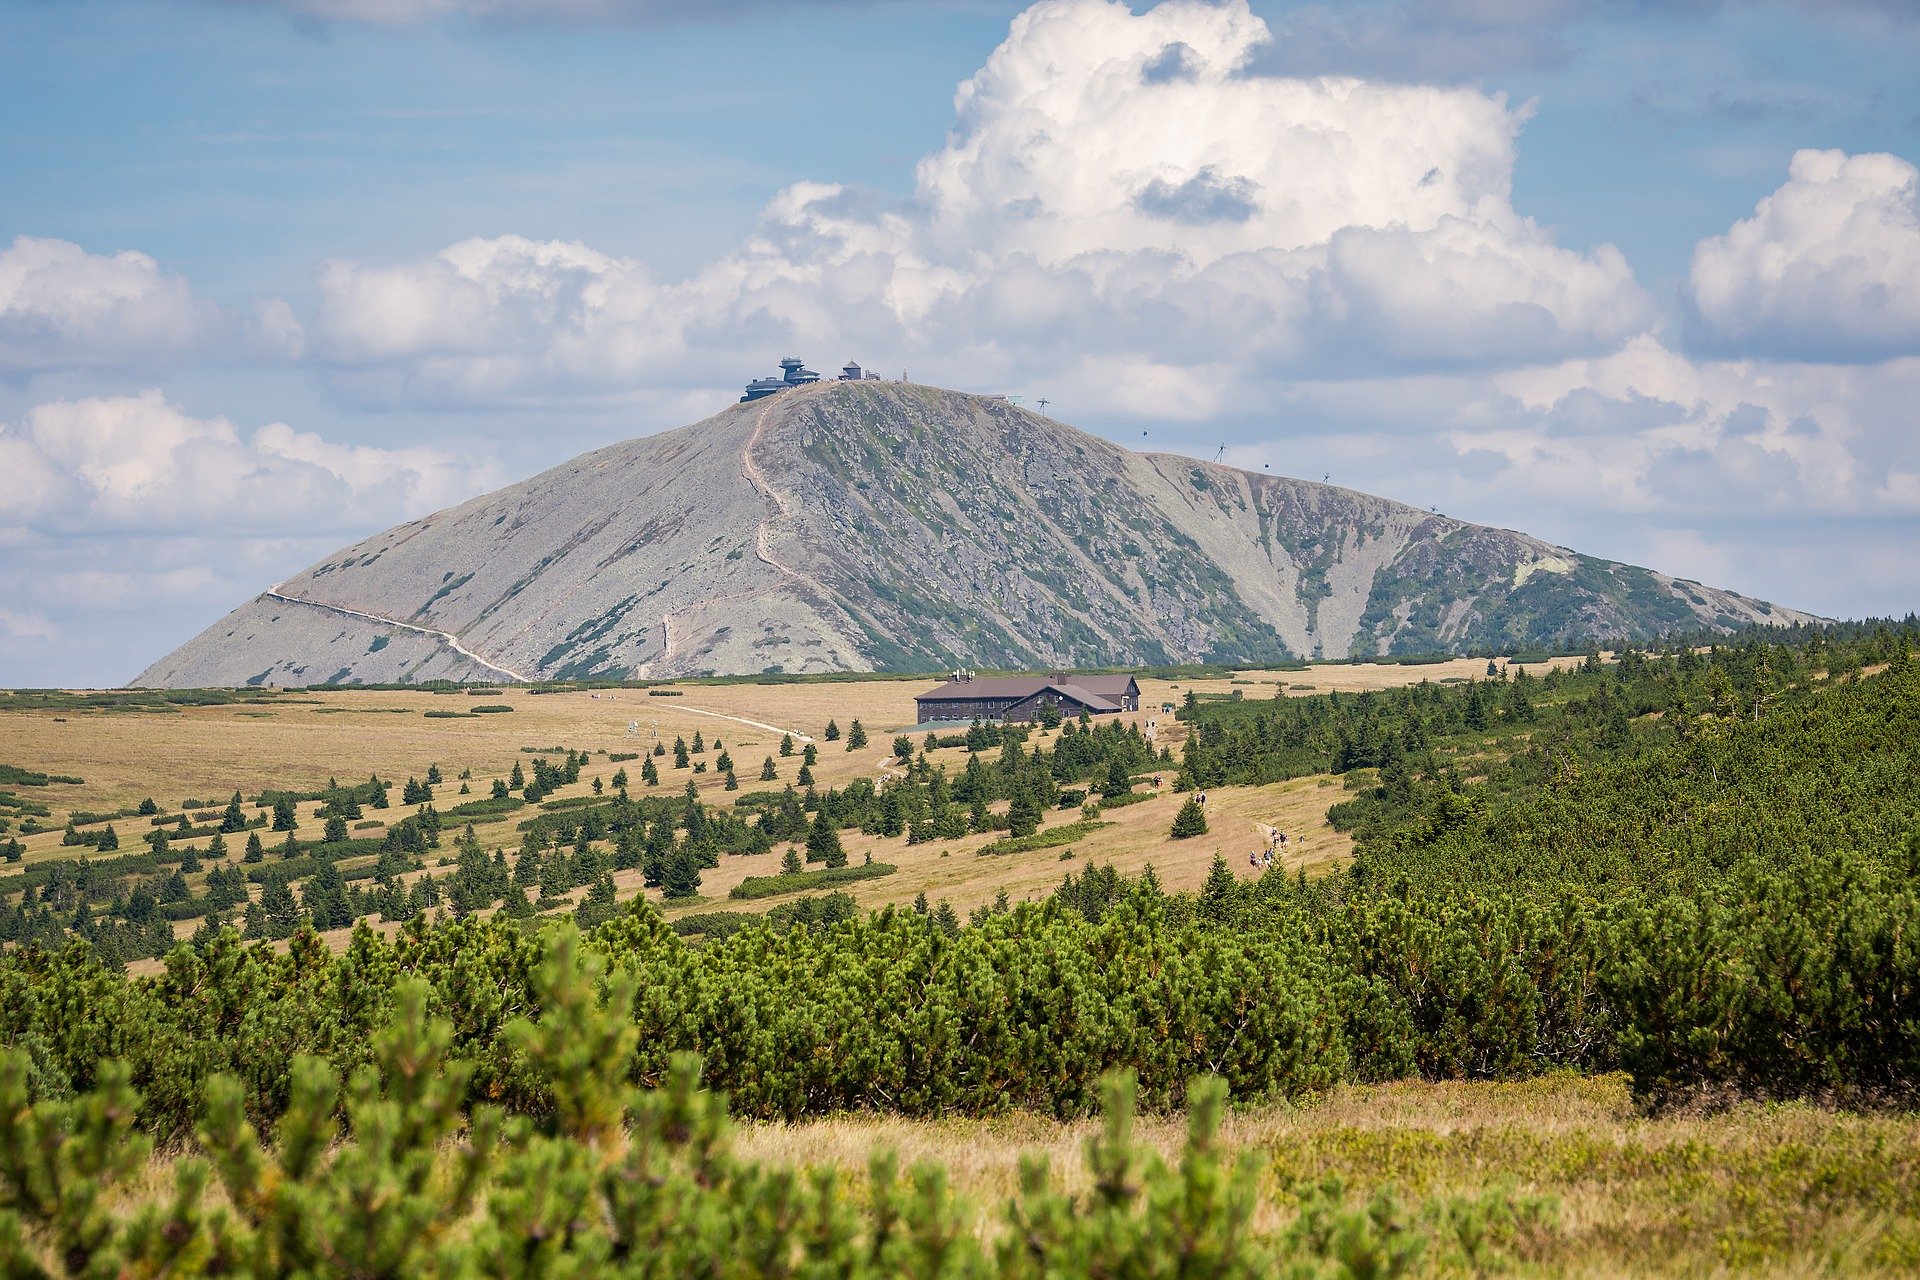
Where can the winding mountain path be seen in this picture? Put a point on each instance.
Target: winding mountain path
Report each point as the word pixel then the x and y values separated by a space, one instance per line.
pixel 762 536
pixel 445 637
pixel 762 549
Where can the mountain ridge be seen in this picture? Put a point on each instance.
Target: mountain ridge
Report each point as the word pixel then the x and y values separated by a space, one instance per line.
pixel 878 525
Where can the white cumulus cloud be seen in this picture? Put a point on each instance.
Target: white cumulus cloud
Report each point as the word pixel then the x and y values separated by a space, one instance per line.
pixel 61 306
pixel 1827 268
pixel 1116 185
pixel 137 464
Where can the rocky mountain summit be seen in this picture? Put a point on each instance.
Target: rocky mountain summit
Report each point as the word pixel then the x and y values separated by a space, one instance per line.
pixel 849 526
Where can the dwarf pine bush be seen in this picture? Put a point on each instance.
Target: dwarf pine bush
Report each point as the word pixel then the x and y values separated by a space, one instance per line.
pixel 383 1172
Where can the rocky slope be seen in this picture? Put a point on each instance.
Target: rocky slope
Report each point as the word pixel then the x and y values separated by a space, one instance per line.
pixel 860 526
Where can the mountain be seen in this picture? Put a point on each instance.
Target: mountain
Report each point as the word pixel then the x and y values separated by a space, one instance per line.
pixel 880 525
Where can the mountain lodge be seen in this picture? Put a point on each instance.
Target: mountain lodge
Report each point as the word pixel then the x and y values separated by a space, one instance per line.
pixel 1019 698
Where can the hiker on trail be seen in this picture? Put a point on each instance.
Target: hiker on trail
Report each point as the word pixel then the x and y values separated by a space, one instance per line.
pixel 1253 859
pixel 1266 860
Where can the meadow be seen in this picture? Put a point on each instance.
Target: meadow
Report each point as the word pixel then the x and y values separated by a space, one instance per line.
pixel 131 748
pixel 1604 968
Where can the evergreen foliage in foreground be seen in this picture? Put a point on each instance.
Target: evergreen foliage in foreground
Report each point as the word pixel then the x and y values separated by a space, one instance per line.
pixel 384 1174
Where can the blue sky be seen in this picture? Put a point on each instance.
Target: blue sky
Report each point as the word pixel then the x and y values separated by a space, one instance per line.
pixel 1639 278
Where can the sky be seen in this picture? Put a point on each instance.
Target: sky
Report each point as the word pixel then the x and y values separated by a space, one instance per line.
pixel 1641 278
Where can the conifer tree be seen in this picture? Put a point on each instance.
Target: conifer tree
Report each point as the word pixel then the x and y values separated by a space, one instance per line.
pixel 649 774
pixel 682 879
pixel 253 852
pixel 786 744
pixel 856 736
pixel 1190 821
pixel 833 732
pixel 1218 895
pixel 325 898
pixel 823 842
pixel 790 864
pixel 767 771
pixel 1023 815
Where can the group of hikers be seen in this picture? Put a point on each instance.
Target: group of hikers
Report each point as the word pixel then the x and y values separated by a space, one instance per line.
pixel 1262 859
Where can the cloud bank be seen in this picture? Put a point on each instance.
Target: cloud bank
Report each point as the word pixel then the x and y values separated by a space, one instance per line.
pixel 1116 188
pixel 137 464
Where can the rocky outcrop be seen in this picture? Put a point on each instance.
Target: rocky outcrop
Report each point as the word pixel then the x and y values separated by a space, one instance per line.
pixel 860 526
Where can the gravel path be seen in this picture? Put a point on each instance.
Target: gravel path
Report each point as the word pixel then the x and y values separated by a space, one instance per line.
pixel 445 637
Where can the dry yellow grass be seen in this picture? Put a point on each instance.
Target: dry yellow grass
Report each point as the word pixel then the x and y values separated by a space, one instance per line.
pixel 1762 1190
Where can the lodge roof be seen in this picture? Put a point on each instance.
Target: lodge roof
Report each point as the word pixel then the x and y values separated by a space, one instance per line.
pixel 1098 692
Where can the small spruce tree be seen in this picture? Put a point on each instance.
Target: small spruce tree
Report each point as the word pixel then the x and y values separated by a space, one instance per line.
pixel 823 842
pixel 1218 895
pixel 1023 815
pixel 682 879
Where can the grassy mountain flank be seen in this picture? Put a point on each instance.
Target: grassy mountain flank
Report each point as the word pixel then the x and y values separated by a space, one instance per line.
pixel 888 526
